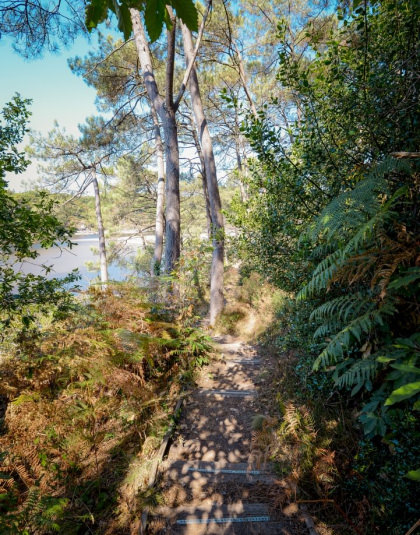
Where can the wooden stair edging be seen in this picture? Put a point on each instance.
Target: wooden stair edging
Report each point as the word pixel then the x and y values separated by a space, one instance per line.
pixel 227 393
pixel 242 362
pixel 209 471
pixel 220 466
pixel 236 519
pixel 160 455
pixel 192 520
pixel 210 508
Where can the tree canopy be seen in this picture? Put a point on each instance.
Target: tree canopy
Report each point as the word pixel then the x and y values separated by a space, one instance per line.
pixel 265 156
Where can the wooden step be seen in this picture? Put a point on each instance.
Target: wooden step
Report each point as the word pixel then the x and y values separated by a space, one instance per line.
pixel 214 519
pixel 243 528
pixel 203 473
pixel 242 362
pixel 226 393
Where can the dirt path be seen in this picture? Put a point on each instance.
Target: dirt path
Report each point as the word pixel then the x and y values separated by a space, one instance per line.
pixel 214 481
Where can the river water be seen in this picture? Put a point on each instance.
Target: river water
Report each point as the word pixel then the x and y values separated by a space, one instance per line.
pixel 63 260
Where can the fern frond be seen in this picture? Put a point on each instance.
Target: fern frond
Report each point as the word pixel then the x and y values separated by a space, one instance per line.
pixel 367 230
pixel 327 328
pixel 322 275
pixel 350 209
pixel 389 166
pixel 405 279
pixel 360 373
pixel 331 260
pixel 340 307
pixel 344 339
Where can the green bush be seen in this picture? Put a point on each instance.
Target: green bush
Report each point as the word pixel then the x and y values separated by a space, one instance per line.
pixel 378 475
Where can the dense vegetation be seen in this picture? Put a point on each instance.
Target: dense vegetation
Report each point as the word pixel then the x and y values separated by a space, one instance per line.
pixel 333 216
pixel 313 111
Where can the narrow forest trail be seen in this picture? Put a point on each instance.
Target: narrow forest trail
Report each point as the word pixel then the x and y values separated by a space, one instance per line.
pixel 215 480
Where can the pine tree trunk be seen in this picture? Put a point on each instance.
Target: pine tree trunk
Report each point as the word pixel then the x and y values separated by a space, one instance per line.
pixel 167 116
pixel 160 201
pixel 173 208
pixel 101 233
pixel 244 195
pixel 243 167
pixel 203 177
pixel 216 279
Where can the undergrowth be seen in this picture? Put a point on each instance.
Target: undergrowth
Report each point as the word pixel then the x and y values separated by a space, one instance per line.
pixel 250 307
pixel 319 445
pixel 352 484
pixel 86 403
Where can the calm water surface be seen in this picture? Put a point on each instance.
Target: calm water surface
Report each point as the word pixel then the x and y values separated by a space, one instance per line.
pixel 64 260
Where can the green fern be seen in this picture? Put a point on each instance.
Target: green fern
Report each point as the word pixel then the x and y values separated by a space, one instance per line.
pixel 352 231
pixel 366 231
pixel 38 514
pixel 327 328
pixel 360 374
pixel 354 207
pixel 351 334
pixel 341 307
pixel 322 275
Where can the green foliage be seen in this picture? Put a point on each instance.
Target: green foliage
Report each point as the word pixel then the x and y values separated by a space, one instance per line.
pixel 378 472
pixel 360 224
pixel 155 14
pixel 15 115
pixel 359 252
pixel 333 216
pixel 23 224
pixel 42 513
pixel 414 475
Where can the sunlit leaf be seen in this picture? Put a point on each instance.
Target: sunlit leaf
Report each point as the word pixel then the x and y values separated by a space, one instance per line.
pixel 154 17
pixel 187 12
pixel 404 392
pixel 413 474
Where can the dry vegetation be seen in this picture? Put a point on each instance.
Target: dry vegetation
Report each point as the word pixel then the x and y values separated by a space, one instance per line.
pixel 85 406
pixel 309 436
pixel 250 308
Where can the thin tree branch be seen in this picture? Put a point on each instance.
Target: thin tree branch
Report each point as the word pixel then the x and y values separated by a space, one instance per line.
pixel 193 58
pixel 108 56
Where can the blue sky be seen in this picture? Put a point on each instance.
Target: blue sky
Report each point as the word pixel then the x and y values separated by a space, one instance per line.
pixel 57 93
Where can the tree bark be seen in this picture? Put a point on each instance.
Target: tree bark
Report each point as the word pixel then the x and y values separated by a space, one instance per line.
pixel 160 201
pixel 167 116
pixel 166 109
pixel 173 209
pixel 101 233
pixel 203 177
pixel 244 166
pixel 244 196
pixel 216 278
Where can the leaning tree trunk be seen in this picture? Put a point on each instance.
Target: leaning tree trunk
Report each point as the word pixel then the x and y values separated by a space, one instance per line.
pixel 216 279
pixel 101 233
pixel 203 177
pixel 173 207
pixel 166 113
pixel 160 201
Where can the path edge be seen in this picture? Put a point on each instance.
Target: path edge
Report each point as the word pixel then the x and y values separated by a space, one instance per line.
pixel 164 447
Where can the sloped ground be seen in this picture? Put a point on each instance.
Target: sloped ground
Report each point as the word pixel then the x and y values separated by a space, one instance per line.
pixel 215 479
